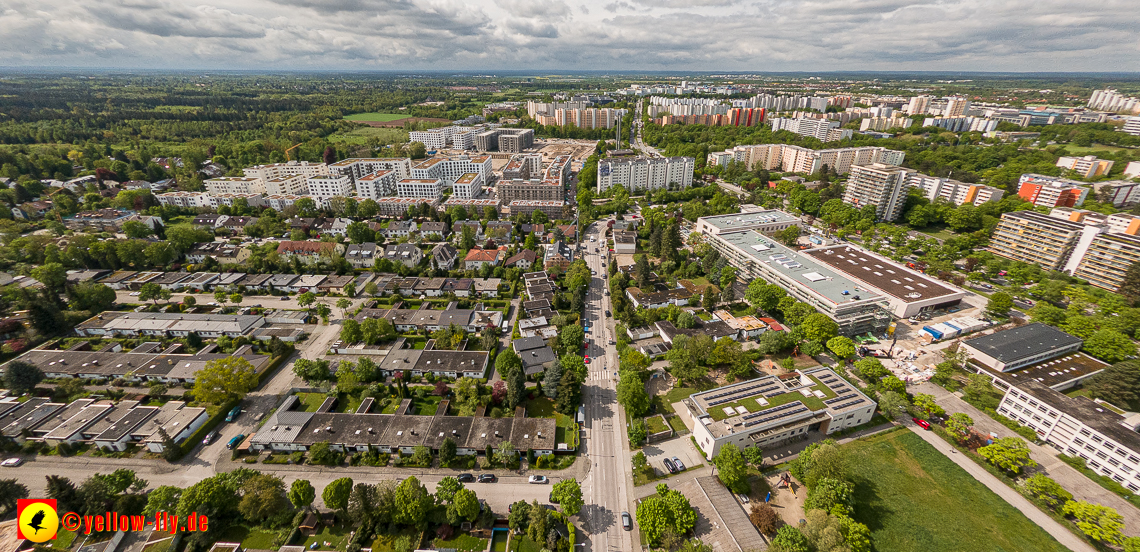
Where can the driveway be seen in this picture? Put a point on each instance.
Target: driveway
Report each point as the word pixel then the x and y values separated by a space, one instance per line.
pixel 681 447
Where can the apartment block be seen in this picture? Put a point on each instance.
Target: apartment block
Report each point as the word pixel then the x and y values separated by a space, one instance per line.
pixel 358 168
pixel 953 191
pixel 251 200
pixel 788 158
pixel 287 185
pixel 822 129
pixel 188 200
pixel 1120 193
pixel 234 185
pixel 529 190
pixel 451 171
pixel 957 106
pixel 1051 191
pixel 1111 100
pixel 509 140
pixel 420 188
pixel 280 202
pixel 644 173
pixel 1108 258
pixel 323 187
pixel 381 183
pixel 281 170
pixel 884 186
pixel 1035 238
pixel 1131 126
pixel 396 206
pixel 884 123
pixel 523 166
pixel 918 105
pixel 558 170
pixel 552 209
pixel 1132 169
pixel 1089 166
pixel 433 139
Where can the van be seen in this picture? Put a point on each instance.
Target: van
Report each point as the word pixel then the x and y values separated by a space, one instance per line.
pixel 235 441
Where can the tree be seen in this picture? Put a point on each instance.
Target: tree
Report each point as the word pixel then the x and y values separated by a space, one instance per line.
pixel 465 506
pixel 11 491
pixel 506 454
pixel 927 404
pixel 447 452
pixel 302 494
pixel 637 431
pixel 764 296
pixel 263 497
pixel 336 494
pixel 1110 346
pixel 570 388
pixel 631 394
pixel 446 488
pixel 89 296
pixel 224 379
pixel 1043 488
pixel 790 539
pixel 1000 304
pixel 843 347
pixel 830 495
pixel 891 403
pixel 871 369
pixel 1118 384
pixel 1099 523
pixel 305 300
pixel 754 455
pixel 519 516
pixel 516 386
pixel 1130 285
pixel 506 362
pixel 362 502
pixel 323 311
pixel 1008 453
pixel 412 502
pixel 819 327
pixel 136 230
pixel 731 468
pixel 551 378
pixel 312 371
pixel 350 331
pixel 163 499
pixel 765 518
pixel 52 275
pixel 960 423
pixel 22 377
pixel 568 495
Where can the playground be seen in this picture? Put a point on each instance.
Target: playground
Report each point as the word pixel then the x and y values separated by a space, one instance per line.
pixel 788 497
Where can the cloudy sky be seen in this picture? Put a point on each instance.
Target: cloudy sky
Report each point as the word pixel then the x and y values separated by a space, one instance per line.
pixel 698 35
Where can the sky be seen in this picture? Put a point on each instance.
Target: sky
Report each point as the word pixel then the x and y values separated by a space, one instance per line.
pixel 647 35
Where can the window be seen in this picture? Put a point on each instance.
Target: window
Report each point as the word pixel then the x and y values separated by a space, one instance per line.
pixel 1101 455
pixel 1113 462
pixel 1086 432
pixel 1097 439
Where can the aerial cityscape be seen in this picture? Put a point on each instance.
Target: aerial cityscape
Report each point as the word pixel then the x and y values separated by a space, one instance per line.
pixel 546 277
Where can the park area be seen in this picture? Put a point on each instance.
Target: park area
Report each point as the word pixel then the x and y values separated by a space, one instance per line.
pixel 912 497
pixel 376 117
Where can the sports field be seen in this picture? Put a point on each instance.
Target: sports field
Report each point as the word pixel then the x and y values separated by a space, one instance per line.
pixel 914 498
pixel 376 117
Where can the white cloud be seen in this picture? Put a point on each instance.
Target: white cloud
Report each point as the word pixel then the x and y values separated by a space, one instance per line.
pixel 746 35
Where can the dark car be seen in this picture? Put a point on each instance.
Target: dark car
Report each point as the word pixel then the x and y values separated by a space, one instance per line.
pixel 669 465
pixel 608 314
pixel 488 478
pixel 626 521
pixel 465 478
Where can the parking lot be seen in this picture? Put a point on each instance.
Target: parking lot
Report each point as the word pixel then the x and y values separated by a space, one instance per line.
pixel 681 447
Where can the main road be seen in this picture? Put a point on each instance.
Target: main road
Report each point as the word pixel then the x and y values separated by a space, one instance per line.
pixel 607 487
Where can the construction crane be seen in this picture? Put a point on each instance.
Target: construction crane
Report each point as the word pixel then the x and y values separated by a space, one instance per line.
pixel 289 150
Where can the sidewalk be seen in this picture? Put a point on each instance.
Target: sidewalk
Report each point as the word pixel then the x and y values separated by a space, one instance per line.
pixel 1058 531
pixel 1072 480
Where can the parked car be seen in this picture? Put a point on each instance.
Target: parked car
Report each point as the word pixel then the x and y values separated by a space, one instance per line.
pixel 210 437
pixel 669 465
pixel 465 478
pixel 626 521
pixel 12 462
pixel 677 462
pixel 235 441
pixel 608 315
pixel 488 478
pixel 538 479
pixel 922 423
pixel 284 297
pixel 587 359
pixel 233 414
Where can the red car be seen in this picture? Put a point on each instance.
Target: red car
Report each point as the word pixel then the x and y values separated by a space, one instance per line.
pixel 922 423
pixel 587 359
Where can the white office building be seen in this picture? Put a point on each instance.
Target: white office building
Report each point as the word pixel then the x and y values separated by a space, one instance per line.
pixel 643 173
pixel 420 188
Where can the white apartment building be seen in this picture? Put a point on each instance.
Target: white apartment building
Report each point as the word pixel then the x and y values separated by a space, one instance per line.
pixel 235 185
pixel 823 129
pixel 187 200
pixel 252 200
pixel 287 185
pixel 918 105
pixel 360 167
pixel 1132 126
pixel 323 187
pixel 788 158
pixel 1132 169
pixel 463 140
pixel 884 123
pixel 957 106
pixel 646 174
pixel 280 202
pixel 420 188
pixel 381 183
pixel 1111 100
pixel 958 193
pixel 433 139
pixel 1120 193
pixel 291 168
pixel 452 170
pixel 1089 166
pixel 884 186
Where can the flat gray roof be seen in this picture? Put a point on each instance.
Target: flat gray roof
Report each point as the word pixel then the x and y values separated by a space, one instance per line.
pixel 736 221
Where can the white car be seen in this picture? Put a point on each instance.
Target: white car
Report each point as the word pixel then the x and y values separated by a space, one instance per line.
pixel 538 479
pixel 134 294
pixel 12 462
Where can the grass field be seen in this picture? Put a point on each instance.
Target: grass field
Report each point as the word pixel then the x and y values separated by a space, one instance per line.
pixel 940 232
pixel 377 117
pixel 463 542
pixel 1093 148
pixel 914 498
pixel 311 401
pixel 360 136
pixel 653 424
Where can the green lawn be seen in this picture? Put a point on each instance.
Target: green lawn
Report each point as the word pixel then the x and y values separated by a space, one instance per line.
pixel 64 539
pixel 337 536
pixel 385 543
pixel 653 424
pixel 742 309
pixel 939 232
pixel 541 407
pixel 1074 149
pixel 463 542
pixel 425 406
pixel 677 424
pixel 522 543
pixel 160 546
pixel 377 117
pixel 566 431
pixel 311 401
pixel 912 497
pixel 665 402
pixel 360 136
pixel 249 538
